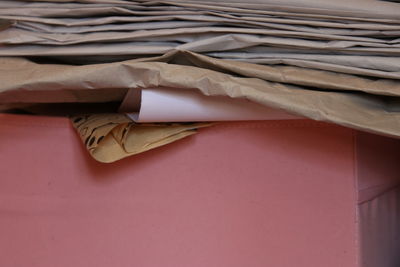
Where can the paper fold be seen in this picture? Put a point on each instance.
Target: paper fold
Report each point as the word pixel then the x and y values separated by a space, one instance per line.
pixel 111 137
pixel 376 111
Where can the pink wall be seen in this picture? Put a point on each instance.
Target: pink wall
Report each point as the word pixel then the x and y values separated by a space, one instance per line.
pixel 254 194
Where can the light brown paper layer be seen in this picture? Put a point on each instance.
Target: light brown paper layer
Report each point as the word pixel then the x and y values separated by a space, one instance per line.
pixel 20 36
pixel 368 10
pixel 376 112
pixel 111 137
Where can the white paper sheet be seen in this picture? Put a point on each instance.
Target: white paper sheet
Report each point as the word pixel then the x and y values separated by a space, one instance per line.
pixel 177 105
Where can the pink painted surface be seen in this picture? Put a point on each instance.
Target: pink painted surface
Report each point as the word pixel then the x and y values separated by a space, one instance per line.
pixel 378 167
pixel 254 194
pixel 380 230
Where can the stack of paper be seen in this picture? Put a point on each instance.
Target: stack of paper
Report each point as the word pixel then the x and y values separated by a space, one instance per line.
pixel 319 34
pixel 332 61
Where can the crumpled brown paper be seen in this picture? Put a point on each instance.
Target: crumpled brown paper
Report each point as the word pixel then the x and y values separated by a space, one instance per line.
pixel 382 67
pixel 5 24
pixel 336 61
pixel 355 102
pixel 117 28
pixel 110 137
pixel 249 36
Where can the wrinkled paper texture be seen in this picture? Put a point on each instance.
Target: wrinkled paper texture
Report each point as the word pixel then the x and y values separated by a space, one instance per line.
pixel 110 137
pixel 335 61
pixel 356 102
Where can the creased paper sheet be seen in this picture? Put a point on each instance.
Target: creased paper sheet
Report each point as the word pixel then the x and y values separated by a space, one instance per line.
pixel 382 67
pixel 5 24
pixel 372 9
pixel 207 15
pixel 357 9
pixel 203 21
pixel 378 112
pixel 110 137
pixel 38 27
pixel 201 44
pixel 189 35
pixel 96 9
pixel 175 105
pixel 174 7
pixel 94 24
pixel 308 78
pixel 387 64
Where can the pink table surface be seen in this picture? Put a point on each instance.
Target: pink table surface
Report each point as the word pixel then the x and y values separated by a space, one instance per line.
pixel 273 193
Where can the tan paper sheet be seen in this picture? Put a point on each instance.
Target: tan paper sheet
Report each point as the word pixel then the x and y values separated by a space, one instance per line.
pixel 369 112
pixel 367 9
pixel 370 73
pixel 210 14
pixel 389 64
pixel 110 137
pixel 246 43
pixel 201 22
pixel 20 36
pixel 372 9
pixel 38 27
